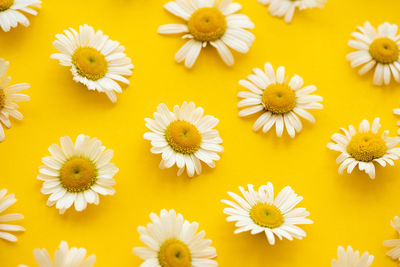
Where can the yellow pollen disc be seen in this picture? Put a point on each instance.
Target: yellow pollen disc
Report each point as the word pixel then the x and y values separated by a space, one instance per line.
pixel 90 63
pixel 366 147
pixel 279 98
pixel 384 50
pixel 183 137
pixel 78 174
pixel 2 99
pixel 174 253
pixel 5 4
pixel 207 24
pixel 266 215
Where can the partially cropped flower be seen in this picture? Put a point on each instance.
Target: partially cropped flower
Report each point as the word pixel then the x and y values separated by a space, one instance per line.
pixel 209 21
pixel 5 229
pixel 9 96
pixel 77 173
pixel 351 258
pixel 63 257
pixel 286 8
pixel 172 241
pixel 95 60
pixel 279 100
pixel 377 49
pixel 396 111
pixel 394 244
pixel 184 137
pixel 364 148
pixel 11 12
pixel 260 212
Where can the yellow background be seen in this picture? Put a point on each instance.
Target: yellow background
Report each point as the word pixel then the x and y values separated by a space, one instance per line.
pixel 347 210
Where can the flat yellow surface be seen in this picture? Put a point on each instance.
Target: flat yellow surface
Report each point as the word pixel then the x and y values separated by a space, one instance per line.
pixel 347 210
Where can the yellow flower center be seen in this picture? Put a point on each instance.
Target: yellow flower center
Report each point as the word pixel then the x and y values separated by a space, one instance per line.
pixel 384 50
pixel 279 98
pixel 366 147
pixel 90 63
pixel 5 4
pixel 78 174
pixel 2 99
pixel 174 253
pixel 266 215
pixel 207 24
pixel 183 137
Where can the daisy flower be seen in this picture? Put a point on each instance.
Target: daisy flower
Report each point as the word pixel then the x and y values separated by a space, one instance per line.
pixel 377 49
pixel 286 8
pixel 184 137
pixel 209 21
pixel 9 95
pixel 281 101
pixel 260 212
pixel 352 258
pixel 11 12
pixel 394 244
pixel 77 174
pixel 5 203
pixel 63 257
pixel 364 148
pixel 396 111
pixel 95 60
pixel 173 241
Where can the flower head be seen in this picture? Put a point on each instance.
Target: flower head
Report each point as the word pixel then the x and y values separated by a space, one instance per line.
pixel 286 8
pixel 364 148
pixel 77 173
pixel 11 12
pixel 281 101
pixel 209 21
pixel 5 202
pixel 172 241
pixel 63 257
pixel 352 258
pixel 394 244
pixel 376 49
pixel 184 137
pixel 259 211
pixel 95 60
pixel 9 96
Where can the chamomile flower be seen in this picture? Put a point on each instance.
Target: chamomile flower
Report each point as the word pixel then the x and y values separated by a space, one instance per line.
pixel 184 137
pixel 352 258
pixel 63 257
pixel 11 12
pixel 9 95
pixel 5 203
pixel 281 101
pixel 173 241
pixel 77 174
pixel 377 49
pixel 396 111
pixel 394 244
pixel 95 60
pixel 286 8
pixel 364 148
pixel 259 211
pixel 209 21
